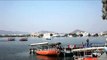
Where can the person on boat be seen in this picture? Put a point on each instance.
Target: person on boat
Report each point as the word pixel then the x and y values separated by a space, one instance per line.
pixel 69 46
pixel 74 47
pixel 82 45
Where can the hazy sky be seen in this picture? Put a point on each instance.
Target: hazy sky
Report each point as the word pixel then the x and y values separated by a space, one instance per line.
pixel 58 16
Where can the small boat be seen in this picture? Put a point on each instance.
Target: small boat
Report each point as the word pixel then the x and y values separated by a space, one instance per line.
pixel 23 39
pixel 66 52
pixel 45 49
pixel 11 39
pixel 48 38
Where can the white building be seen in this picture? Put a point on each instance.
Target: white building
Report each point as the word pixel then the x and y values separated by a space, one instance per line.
pixel 35 34
pixel 47 35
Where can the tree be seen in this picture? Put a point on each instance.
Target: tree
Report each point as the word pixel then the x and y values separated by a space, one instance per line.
pixel 89 35
pixel 81 35
pixel 96 35
pixel 40 35
pixel 65 35
pixel 51 34
pixel 74 35
pixel 104 10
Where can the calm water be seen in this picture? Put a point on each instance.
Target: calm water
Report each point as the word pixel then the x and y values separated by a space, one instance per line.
pixel 19 50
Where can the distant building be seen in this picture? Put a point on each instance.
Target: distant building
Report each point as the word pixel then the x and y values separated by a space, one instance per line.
pixel 83 33
pixel 47 35
pixel 35 34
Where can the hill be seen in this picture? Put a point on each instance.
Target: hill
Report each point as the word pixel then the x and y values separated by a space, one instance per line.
pixel 75 31
pixel 12 32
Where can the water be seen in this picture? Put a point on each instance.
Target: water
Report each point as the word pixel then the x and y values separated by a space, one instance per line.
pixel 19 50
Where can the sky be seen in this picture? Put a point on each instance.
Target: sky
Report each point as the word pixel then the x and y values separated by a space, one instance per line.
pixel 57 16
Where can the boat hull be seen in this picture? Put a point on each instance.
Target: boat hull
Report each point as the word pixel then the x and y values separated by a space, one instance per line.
pixel 49 52
pixel 24 39
pixel 11 39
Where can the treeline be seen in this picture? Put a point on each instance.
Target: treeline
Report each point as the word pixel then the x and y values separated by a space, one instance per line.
pixel 24 35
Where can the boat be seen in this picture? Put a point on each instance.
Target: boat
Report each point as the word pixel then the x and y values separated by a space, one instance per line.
pixel 48 38
pixel 23 39
pixel 66 52
pixel 11 39
pixel 45 49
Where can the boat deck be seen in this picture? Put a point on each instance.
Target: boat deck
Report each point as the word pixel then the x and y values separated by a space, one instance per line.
pixel 103 57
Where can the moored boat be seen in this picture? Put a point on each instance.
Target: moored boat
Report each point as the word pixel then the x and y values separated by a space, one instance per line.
pixel 11 39
pixel 48 38
pixel 23 39
pixel 66 52
pixel 45 49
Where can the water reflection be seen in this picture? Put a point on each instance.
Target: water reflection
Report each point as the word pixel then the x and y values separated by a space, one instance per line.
pixel 39 57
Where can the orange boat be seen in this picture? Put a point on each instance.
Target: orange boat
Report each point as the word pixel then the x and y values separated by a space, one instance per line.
pixel 45 49
pixel 48 52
